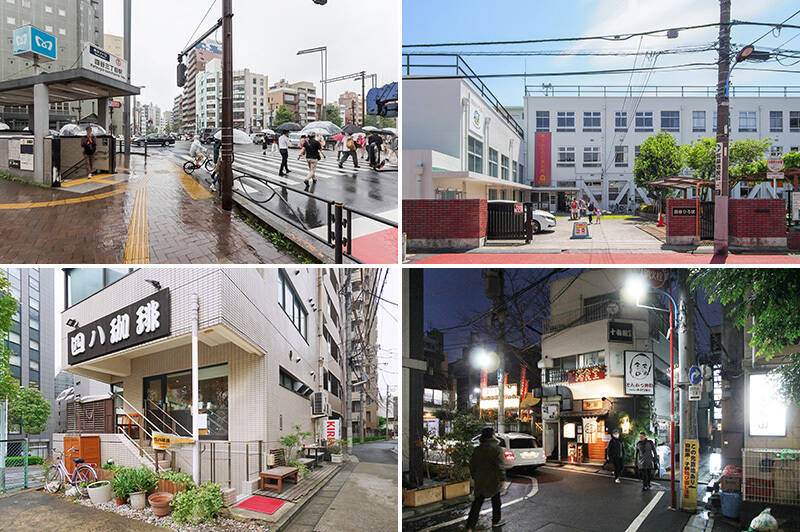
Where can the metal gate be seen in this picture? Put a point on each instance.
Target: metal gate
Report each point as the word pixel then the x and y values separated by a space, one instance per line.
pixel 505 222
pixel 707 220
pixel 21 464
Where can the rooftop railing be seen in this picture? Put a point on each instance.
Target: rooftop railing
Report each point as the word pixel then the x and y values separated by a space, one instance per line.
pixel 682 91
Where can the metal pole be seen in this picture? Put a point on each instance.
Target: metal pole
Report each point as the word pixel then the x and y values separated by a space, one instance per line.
pixel 348 378
pixel 126 44
pixel 723 110
pixel 686 357
pixel 338 233
pixel 229 465
pixel 226 148
pixel 361 399
pixel 195 310
pixel 363 99
pixel 387 412
pixel 672 406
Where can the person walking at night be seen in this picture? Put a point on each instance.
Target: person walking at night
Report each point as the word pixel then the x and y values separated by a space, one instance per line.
pixel 283 147
pixel 645 459
pixel 311 149
pixel 615 453
pixel 486 467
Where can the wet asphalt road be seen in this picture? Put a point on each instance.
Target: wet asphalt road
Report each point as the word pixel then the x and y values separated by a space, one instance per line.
pixel 558 500
pixel 379 452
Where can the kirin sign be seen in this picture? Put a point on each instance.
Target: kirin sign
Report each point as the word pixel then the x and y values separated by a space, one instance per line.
pixel 147 319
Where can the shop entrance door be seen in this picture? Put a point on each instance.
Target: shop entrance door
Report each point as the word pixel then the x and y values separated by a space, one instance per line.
pixel 153 400
pixel 550 439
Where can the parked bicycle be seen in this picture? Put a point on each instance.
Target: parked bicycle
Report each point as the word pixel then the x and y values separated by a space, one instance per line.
pixel 190 166
pixel 57 474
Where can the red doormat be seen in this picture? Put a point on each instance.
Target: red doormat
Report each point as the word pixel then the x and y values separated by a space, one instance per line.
pixel 264 505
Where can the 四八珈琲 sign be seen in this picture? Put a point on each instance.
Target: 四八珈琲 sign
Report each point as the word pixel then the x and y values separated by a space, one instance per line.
pixel 639 373
pixel 34 43
pixel 98 60
pixel 147 319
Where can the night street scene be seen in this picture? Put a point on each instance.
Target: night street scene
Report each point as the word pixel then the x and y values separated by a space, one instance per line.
pixel 583 434
pixel 205 133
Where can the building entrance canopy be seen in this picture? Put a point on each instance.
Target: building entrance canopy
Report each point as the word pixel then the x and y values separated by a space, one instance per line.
pixel 64 86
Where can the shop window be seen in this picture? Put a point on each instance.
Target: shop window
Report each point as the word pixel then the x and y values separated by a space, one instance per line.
pixel 292 305
pixel 504 167
pixel 794 121
pixel 492 162
pixel 621 121
pixel 776 121
pixel 565 121
pixel 542 121
pixel 644 121
pixel 474 155
pixel 698 121
pixel 670 120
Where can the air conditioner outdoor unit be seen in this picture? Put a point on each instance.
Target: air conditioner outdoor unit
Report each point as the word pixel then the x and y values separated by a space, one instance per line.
pixel 319 404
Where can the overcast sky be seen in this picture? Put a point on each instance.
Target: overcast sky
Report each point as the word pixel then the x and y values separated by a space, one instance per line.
pixel 389 334
pixel 359 34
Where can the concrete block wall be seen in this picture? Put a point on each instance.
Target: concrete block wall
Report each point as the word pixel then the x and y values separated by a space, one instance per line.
pixel 445 223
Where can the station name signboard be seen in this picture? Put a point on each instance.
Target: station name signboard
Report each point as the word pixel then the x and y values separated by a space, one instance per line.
pixel 639 373
pixel 147 319
pixel 98 60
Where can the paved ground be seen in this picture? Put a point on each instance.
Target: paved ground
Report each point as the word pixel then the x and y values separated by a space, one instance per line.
pixel 153 214
pixel 363 496
pixel 36 510
pixel 610 233
pixel 363 189
pixel 629 258
pixel 557 500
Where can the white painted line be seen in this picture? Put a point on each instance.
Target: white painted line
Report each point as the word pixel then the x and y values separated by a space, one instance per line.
pixel 534 490
pixel 643 515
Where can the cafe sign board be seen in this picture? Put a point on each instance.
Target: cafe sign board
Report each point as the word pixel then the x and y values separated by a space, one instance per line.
pixel 163 441
pixel 639 373
pixel 143 321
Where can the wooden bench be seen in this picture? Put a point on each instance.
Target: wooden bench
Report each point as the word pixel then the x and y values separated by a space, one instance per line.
pixel 278 474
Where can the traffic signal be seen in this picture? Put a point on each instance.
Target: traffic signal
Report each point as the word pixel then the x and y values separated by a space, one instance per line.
pixel 383 101
pixel 181 74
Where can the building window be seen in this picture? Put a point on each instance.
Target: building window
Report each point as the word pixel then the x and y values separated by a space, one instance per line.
pixel 521 172
pixel 292 305
pixel 591 120
pixel 542 121
pixel 776 121
pixel 644 121
pixel 84 282
pixel 620 156
pixel 11 20
pixel 566 156
pixel 670 120
pixel 621 121
pixel 514 171
pixel 504 167
pixel 474 155
pixel 698 121
pixel 565 121
pixel 714 122
pixel 492 162
pixel 492 193
pixel 290 382
pixel 635 153
pixel 794 121
pixel 747 121
pixel 591 156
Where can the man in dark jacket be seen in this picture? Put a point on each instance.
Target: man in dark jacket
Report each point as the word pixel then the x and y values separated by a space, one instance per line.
pixel 645 459
pixel 89 145
pixel 486 467
pixel 615 453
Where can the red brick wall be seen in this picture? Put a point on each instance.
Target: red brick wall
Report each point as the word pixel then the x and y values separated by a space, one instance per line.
pixel 793 239
pixel 745 222
pixel 680 225
pixel 445 219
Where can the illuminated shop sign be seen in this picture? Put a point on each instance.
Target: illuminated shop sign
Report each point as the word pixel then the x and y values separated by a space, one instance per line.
pixel 593 373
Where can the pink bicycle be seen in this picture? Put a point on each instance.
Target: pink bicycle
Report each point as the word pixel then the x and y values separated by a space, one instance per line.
pixel 81 477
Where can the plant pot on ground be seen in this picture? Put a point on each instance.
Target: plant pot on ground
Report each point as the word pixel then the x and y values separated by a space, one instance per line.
pixel 160 502
pixel 123 484
pixel 138 499
pixel 100 491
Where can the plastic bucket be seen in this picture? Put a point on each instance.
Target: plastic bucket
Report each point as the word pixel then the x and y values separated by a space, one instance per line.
pixel 731 503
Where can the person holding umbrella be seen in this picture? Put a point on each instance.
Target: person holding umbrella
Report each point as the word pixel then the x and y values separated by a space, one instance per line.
pixel 89 145
pixel 350 145
pixel 283 147
pixel 264 143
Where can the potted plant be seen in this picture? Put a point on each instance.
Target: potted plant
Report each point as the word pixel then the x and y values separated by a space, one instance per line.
pixel 174 482
pixel 100 491
pixel 106 471
pixel 122 484
pixel 144 479
pixel 160 502
pixel 335 449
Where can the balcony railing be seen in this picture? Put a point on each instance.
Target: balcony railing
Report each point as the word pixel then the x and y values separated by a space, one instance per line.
pixel 606 309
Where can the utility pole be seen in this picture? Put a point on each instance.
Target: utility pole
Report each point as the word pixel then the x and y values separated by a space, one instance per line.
pixel 387 411
pixel 495 291
pixel 361 391
pixel 686 357
pixel 126 44
pixel 723 111
pixel 226 148
pixel 348 378
pixel 363 98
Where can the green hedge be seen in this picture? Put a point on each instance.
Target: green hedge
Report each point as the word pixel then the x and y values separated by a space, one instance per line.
pixel 16 461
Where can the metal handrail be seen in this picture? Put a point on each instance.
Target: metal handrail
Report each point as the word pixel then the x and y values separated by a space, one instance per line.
pixel 142 416
pixel 663 90
pixel 150 458
pixel 166 414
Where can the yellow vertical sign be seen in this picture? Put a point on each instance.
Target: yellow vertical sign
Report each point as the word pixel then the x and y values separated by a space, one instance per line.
pixel 690 463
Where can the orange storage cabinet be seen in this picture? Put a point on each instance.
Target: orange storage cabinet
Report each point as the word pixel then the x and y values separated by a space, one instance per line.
pixel 86 447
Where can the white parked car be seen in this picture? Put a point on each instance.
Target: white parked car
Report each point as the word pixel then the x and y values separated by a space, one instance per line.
pixel 294 139
pixel 519 449
pixel 543 220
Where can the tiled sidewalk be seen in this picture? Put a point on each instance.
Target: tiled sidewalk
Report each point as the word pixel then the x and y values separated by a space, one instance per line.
pixel 156 215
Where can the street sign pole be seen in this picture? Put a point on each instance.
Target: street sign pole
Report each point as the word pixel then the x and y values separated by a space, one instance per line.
pixel 723 110
pixel 126 43
pixel 226 148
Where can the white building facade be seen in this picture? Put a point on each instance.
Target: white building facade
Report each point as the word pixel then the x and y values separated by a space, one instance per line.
pixel 595 134
pixel 460 143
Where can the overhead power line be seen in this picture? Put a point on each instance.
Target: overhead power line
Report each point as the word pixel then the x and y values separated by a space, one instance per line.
pixel 778 27
pixel 622 53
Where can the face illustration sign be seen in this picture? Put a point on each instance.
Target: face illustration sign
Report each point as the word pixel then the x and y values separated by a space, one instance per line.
pixel 639 373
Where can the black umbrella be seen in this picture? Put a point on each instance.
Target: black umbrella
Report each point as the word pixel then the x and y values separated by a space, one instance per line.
pixel 288 126
pixel 349 129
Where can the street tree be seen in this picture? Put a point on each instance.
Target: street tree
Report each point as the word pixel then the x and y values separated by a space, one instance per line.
pixel 8 307
pixel 332 114
pixel 767 303
pixel 379 121
pixel 746 158
pixel 700 156
pixel 659 156
pixel 283 115
pixel 30 410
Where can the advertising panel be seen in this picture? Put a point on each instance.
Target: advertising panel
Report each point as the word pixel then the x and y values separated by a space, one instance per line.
pixel 639 373
pixel 542 163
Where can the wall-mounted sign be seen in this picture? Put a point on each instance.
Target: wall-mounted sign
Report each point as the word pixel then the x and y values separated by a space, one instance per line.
pixel 332 428
pixel 569 430
pixel 476 118
pixel 795 205
pixel 163 441
pixel 593 404
pixel 26 154
pixel 684 211
pixel 147 319
pixel 14 153
pixel 639 373
pixel 620 332
pixel 690 463
pixel 98 60
pixel 34 43
pixel 541 161
pixel 593 373
pixel 655 276
pixel 550 411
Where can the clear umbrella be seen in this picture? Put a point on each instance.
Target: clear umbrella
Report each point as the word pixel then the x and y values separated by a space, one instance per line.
pixel 369 128
pixel 239 136
pixel 79 130
pixel 4 126
pixel 267 131
pixel 329 127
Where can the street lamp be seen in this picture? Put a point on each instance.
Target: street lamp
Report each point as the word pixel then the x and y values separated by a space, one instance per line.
pixel 636 287
pixel 324 65
pixel 747 53
pixel 484 359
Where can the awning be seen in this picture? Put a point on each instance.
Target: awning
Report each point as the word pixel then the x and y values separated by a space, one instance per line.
pixel 681 182
pixel 65 86
pixel 460 176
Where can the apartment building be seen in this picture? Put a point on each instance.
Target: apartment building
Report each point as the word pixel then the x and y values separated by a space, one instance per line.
pixel 364 351
pixel 351 103
pixel 584 140
pixel 196 62
pixel 150 112
pixel 176 112
pixel 249 100
pixel 300 97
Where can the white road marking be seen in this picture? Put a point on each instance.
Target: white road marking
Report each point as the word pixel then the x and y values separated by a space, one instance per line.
pixel 534 490
pixel 644 513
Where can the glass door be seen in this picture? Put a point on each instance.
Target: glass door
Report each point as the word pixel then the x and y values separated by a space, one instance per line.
pixel 153 401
